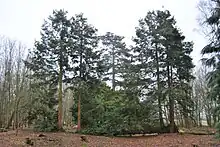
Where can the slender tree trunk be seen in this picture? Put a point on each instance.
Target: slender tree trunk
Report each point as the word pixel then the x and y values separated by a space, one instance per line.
pixel 208 119
pixel 17 92
pixel 160 112
pixel 182 121
pixel 16 119
pixel 80 75
pixel 214 113
pixel 113 69
pixel 159 90
pixel 199 120
pixel 10 120
pixel 9 78
pixel 60 107
pixel 16 111
pixel 2 104
pixel 17 116
pixel 171 100
pixel 4 91
pixel 166 114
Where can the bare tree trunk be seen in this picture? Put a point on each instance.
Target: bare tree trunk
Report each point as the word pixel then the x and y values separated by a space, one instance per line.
pixel 10 120
pixel 8 47
pixel 11 86
pixel 11 46
pixel 60 107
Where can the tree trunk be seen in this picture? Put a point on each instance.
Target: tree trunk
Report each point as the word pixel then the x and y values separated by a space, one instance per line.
pixel 3 97
pixel 16 112
pixel 214 113
pixel 199 120
pixel 159 90
pixel 81 76
pixel 171 100
pixel 160 112
pixel 10 120
pixel 182 121
pixel 113 69
pixel 9 79
pixel 166 114
pixel 60 106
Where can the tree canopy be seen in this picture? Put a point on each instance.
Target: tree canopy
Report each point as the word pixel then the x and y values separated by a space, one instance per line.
pixel 74 75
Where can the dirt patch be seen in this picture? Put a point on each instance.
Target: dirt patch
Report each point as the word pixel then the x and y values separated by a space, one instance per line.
pixel 9 139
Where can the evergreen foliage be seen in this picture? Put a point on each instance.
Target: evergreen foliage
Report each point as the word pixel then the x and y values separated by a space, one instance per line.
pixel 151 77
pixel 213 60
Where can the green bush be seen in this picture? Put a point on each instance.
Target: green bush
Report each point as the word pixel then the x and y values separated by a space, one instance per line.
pixel 47 123
pixel 107 112
pixel 42 114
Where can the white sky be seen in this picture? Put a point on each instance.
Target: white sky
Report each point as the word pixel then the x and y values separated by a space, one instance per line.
pixel 22 19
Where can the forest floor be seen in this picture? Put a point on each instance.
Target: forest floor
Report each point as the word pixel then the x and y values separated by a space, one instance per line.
pixel 10 139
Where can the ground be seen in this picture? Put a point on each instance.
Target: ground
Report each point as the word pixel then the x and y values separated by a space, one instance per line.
pixel 9 139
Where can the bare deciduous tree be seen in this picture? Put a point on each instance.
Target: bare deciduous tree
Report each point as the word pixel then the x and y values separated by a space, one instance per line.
pixel 12 81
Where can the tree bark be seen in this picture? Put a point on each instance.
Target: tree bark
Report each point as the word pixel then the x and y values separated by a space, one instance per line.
pixel 80 76
pixel 113 69
pixel 159 89
pixel 10 120
pixel 60 106
pixel 171 100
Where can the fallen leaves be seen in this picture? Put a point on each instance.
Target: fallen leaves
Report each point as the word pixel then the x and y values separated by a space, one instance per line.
pixel 9 139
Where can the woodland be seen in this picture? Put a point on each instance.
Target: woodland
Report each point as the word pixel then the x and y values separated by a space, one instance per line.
pixel 99 90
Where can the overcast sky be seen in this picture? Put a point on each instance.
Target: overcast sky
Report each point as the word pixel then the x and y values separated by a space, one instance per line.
pixel 22 19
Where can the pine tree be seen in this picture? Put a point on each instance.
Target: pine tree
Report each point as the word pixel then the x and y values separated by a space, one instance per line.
pixel 160 48
pixel 213 52
pixel 84 55
pixel 50 55
pixel 184 78
pixel 114 54
pixel 41 106
pixel 213 49
pixel 150 54
pixel 177 58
